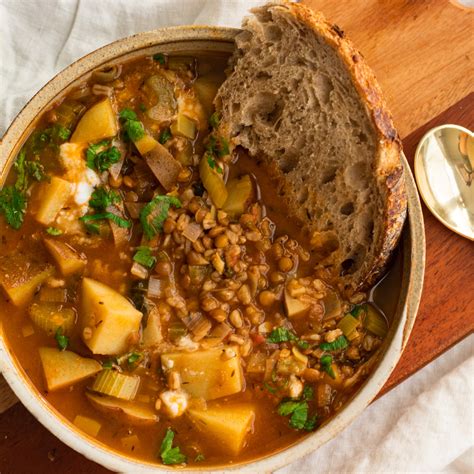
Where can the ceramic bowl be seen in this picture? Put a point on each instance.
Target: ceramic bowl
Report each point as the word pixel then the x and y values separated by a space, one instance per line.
pixel 200 39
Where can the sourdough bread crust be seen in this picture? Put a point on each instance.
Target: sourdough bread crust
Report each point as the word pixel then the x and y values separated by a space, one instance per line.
pixel 387 167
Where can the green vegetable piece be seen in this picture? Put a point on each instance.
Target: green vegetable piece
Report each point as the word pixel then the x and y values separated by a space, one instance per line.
pixel 271 389
pixel 337 345
pixel 61 339
pixel 213 165
pixel 357 310
pixel 165 135
pixel 132 127
pixel 142 108
pixel 214 120
pixel 303 344
pixel 281 335
pixel 168 454
pixel 101 158
pixel 326 361
pixel 160 58
pixel 12 206
pixel 133 357
pixel 144 257
pixel 105 215
pixel 102 198
pixel 217 146
pixel 308 392
pixel 54 231
pixel 154 214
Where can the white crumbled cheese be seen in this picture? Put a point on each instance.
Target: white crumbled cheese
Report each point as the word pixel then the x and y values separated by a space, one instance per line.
pixel 175 402
pixel 187 344
pixel 85 187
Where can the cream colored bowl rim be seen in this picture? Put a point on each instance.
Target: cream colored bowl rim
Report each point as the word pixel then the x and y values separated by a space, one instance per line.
pixel 414 255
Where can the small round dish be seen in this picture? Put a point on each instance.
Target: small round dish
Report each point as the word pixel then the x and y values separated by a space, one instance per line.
pixel 200 39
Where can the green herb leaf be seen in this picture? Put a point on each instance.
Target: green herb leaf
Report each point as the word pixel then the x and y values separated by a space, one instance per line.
pixel 337 345
pixel 311 423
pixel 53 231
pixel 281 335
pixel 308 392
pixel 133 357
pixel 271 389
pixel 36 170
pixel 106 215
pixel 108 364
pixel 144 257
pixel 217 146
pixel 142 107
pixel 165 135
pixel 288 407
pixel 200 457
pixel 160 58
pixel 102 198
pixel 326 361
pixel 214 120
pixel 12 206
pixel 101 158
pixel 92 228
pixel 303 344
pixel 21 183
pixel 213 164
pixel 299 416
pixel 168 454
pixel 61 339
pixel 154 214
pixel 132 127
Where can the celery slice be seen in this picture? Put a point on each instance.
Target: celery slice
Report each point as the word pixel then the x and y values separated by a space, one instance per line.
pixel 348 325
pixel 52 316
pixel 115 384
pixel 375 322
pixel 184 127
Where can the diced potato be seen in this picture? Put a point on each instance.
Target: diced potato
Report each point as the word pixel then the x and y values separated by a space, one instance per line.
pixel 52 316
pixel 132 412
pixel 97 123
pixel 145 144
pixel 110 316
pixel 117 385
pixel 294 307
pixel 63 368
pixel 163 165
pixel 130 442
pixel 21 275
pixel 88 425
pixel 227 425
pixel 240 194
pixel 213 182
pixel 206 90
pixel 152 332
pixel 206 374
pixel 66 257
pixel 183 127
pixel 52 197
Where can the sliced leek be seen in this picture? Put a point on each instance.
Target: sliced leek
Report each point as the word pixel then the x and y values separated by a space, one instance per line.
pixel 348 325
pixel 115 384
pixel 375 322
pixel 52 316
pixel 184 127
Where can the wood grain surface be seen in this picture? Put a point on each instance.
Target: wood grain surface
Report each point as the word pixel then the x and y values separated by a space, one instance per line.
pixel 422 53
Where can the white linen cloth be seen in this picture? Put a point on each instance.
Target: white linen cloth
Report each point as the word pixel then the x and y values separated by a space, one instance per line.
pixel 423 425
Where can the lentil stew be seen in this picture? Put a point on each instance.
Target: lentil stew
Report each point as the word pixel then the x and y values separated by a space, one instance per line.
pixel 156 291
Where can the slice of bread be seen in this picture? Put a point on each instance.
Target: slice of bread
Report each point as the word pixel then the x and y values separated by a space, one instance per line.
pixel 302 98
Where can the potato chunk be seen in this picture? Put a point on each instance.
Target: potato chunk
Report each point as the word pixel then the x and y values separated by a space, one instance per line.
pixel 67 259
pixel 52 198
pixel 110 317
pixel 97 123
pixel 240 193
pixel 63 368
pixel 227 425
pixel 206 374
pixel 134 413
pixel 294 307
pixel 21 275
pixel 145 144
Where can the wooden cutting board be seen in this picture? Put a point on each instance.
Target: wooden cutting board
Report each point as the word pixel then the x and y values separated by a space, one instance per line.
pixel 422 53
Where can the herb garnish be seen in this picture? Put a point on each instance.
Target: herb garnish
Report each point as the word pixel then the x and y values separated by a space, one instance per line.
pixel 299 410
pixel 160 58
pixel 168 454
pixel 54 231
pixel 61 339
pixel 357 309
pixel 101 157
pixel 154 214
pixel 165 135
pixel 132 127
pixel 213 164
pixel 101 198
pixel 326 361
pixel 336 345
pixel 106 215
pixel 13 206
pixel 133 357
pixel 281 335
pixel 217 146
pixel 144 257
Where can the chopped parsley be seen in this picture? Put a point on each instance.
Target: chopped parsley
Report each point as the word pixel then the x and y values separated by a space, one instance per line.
pixel 144 257
pixel 36 170
pixel 326 361
pixel 298 410
pixel 154 214
pixel 91 218
pixel 281 335
pixel 109 363
pixel 54 231
pixel 49 137
pixel 271 389
pixel 165 135
pixel 101 157
pixel 12 206
pixel 214 120
pixel 337 345
pixel 213 164
pixel 308 392
pixel 217 146
pixel 133 357
pixel 160 58
pixel 102 198
pixel 168 454
pixel 132 127
pixel 61 339
pixel 303 344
